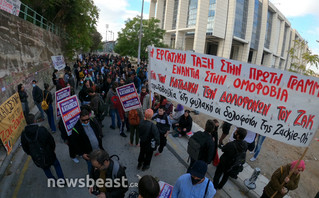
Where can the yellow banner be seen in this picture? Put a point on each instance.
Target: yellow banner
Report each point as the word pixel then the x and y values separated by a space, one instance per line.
pixel 12 121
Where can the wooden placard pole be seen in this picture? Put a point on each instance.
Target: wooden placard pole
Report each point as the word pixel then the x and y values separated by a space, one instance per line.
pixel 291 171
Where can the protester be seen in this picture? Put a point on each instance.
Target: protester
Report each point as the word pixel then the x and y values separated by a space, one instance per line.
pixel 112 99
pixel 231 150
pixel 149 140
pixel 175 117
pixel 280 176
pixel 168 107
pixel 60 83
pixel 48 97
pixel 37 95
pixel 134 117
pixel 184 124
pixel 250 139
pixel 83 94
pixel 204 139
pixel 163 126
pixel 55 77
pixel 148 187
pixel 67 140
pixel 225 129
pixel 37 142
pixel 260 141
pixel 194 184
pixel 108 170
pixel 24 99
pixel 145 99
pixel 86 137
pixel 97 105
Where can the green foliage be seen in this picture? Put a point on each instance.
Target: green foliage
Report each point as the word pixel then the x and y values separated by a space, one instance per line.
pixel 76 17
pixel 96 41
pixel 302 64
pixel 128 38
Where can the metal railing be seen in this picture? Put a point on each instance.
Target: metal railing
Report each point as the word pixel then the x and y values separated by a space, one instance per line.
pixel 32 16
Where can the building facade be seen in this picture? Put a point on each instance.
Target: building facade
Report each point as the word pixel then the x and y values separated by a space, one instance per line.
pixel 253 31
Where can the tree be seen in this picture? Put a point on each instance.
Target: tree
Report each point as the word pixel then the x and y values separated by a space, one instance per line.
pixel 77 18
pixel 96 39
pixel 128 38
pixel 303 63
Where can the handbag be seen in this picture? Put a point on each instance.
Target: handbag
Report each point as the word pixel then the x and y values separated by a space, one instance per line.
pixel 216 159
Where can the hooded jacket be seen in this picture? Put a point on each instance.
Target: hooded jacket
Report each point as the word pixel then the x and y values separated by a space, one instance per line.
pixel 230 151
pixel 45 140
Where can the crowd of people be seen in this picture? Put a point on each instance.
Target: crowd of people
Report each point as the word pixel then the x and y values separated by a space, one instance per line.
pixel 95 79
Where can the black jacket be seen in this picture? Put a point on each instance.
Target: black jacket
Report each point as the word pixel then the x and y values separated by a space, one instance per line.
pixel 207 152
pixel 23 96
pixel 37 94
pixel 186 123
pixel 83 94
pixel 162 123
pixel 112 192
pixel 49 97
pixel 80 141
pixel 44 137
pixel 148 130
pixel 230 152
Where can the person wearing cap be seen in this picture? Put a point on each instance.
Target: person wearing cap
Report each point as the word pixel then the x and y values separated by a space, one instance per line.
pixel 194 184
pixel 178 112
pixel 281 176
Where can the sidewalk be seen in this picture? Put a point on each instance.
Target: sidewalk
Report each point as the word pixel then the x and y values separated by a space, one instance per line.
pixel 233 187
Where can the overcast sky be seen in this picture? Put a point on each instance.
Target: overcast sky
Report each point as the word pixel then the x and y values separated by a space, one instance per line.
pixel 303 16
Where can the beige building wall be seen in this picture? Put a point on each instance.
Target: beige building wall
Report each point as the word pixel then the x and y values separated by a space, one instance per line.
pixel 261 44
pixel 159 11
pixel 220 19
pixel 168 22
pixel 201 26
pixel 181 23
pixel 229 29
pixel 152 9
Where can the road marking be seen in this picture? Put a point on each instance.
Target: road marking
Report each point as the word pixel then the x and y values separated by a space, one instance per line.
pixel 20 180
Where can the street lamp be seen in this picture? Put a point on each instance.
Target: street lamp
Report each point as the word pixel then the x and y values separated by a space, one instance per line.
pixel 140 37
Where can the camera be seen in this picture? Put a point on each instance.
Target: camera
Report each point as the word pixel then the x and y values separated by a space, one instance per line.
pixel 96 190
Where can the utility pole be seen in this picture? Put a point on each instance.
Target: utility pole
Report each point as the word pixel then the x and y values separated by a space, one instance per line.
pixel 140 37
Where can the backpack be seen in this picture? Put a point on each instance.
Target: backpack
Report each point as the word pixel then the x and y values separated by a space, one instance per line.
pixel 133 117
pixel 238 164
pixel 44 104
pixel 102 108
pixel 81 74
pixel 37 151
pixel 196 144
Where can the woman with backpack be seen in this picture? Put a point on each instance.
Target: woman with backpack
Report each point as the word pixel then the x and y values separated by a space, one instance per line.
pixel 134 118
pixel 47 96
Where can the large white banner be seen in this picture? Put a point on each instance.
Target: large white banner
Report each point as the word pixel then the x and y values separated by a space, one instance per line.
pixel 278 104
pixel 58 62
pixel 11 6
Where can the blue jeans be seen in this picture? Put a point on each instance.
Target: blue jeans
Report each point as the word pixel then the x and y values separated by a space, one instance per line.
pixel 260 141
pixel 57 168
pixel 40 109
pixel 112 114
pixel 49 113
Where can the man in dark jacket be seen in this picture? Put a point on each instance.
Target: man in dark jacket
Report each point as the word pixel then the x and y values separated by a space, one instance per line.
pixel 184 124
pixel 163 126
pixel 86 137
pixel 39 143
pixel 206 152
pixel 113 175
pixel 148 131
pixel 37 95
pixel 48 97
pixel 24 99
pixel 231 150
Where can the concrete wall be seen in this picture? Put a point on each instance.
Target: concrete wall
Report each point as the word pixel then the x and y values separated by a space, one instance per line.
pixel 25 54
